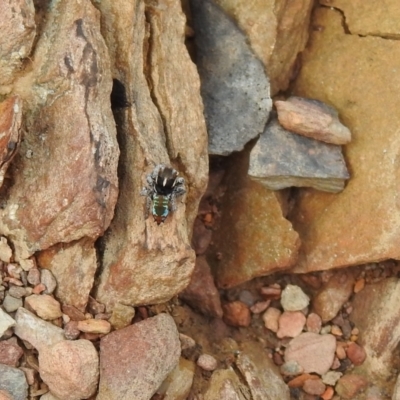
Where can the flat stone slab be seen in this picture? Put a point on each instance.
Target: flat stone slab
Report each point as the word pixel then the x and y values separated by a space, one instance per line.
pixel 234 86
pixel 282 159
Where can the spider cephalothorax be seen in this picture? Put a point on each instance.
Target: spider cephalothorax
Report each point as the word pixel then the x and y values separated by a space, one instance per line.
pixel 163 187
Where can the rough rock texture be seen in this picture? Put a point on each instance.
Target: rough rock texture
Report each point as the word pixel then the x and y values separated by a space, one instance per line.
pixel 121 316
pixel 18 28
pixel 73 265
pixel 380 332
pixel 10 352
pixel 70 369
pixel 201 293
pixel 293 298
pixel 237 313
pixel 40 334
pixel 283 159
pixel 361 224
pixel 350 385
pixel 277 31
pixel 143 262
pixel 134 361
pixel 331 297
pixel 312 118
pixel 313 352
pixel 6 322
pixel 260 373
pixel 45 306
pixel 14 382
pixel 234 86
pixel 10 132
pixel 365 19
pixel 225 385
pixel 66 164
pixel 291 323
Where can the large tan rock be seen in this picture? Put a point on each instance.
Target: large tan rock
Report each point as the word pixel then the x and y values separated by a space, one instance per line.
pixel 144 262
pixel 362 223
pixel 65 184
pixel 277 31
pixel 363 17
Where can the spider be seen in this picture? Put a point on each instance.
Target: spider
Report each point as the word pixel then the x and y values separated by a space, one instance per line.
pixel 163 187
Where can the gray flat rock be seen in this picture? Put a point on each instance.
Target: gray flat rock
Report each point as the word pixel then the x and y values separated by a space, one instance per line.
pixel 234 86
pixel 281 159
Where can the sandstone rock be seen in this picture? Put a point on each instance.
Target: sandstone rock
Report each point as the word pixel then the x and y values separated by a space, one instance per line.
pixel 122 316
pixel 94 326
pixel 356 353
pixel 71 331
pixel 363 19
pixel 13 382
pixel 313 352
pixel 45 306
pixel 135 360
pixel 271 319
pixel 234 86
pixel 331 297
pixel 178 383
pixel 48 279
pixel 6 322
pixel 5 250
pixel 146 45
pixel 260 306
pixel 314 386
pixel 346 229
pixel 277 32
pixel 66 164
pixel 293 298
pixel 186 342
pixel 40 334
pixel 313 323
pixel 73 312
pixel 201 237
pixel 34 276
pixel 396 390
pixel 225 385
pixel 11 304
pixel 49 396
pixel 350 385
pixel 291 324
pixel 207 362
pixel 18 292
pixel 282 159
pixel 298 382
pixel 70 369
pixel 236 313
pixel 73 265
pixel 10 133
pixel 261 375
pixel 18 34
pixel 380 332
pixel 312 118
pixel 10 352
pixel 253 239
pixel 201 294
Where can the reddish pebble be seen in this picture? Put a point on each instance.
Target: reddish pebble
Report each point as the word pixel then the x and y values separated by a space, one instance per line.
pixel 314 386
pixel 278 359
pixel 271 319
pixel 340 350
pixel 313 323
pixel 10 352
pixel 236 313
pixel 350 385
pixel 359 285
pixel 39 288
pixel 291 324
pixel 298 382
pixel 328 394
pixel 207 362
pixel 356 353
pixel 335 330
pixel 260 306
pixel 272 292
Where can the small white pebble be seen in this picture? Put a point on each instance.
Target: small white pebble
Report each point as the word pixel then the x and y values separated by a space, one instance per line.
pixel 207 362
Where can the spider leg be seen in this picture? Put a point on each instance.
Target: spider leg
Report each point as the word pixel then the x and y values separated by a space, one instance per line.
pixel 172 203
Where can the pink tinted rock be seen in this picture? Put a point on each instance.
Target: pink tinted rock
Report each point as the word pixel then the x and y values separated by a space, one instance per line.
pixel 331 297
pixel 260 306
pixel 34 276
pixel 313 352
pixel 314 386
pixel 10 352
pixel 5 395
pixel 271 319
pixel 348 386
pixel 73 312
pixel 313 323
pixel 236 313
pixel 356 353
pixel 202 294
pixel 45 306
pixel 291 324
pixel 70 369
pixel 207 362
pixel 272 292
pixel 39 288
pixel 71 330
pixel 135 360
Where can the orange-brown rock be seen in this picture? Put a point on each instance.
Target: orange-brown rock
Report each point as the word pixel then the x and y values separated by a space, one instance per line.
pixel 277 31
pixel 164 122
pixel 65 186
pixel 236 313
pixel 361 224
pixel 73 265
pixel 18 30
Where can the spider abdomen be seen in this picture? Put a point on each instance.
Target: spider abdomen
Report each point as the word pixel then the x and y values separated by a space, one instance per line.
pixel 160 207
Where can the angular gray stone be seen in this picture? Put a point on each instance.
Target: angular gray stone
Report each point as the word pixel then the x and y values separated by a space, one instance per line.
pixel 282 159
pixel 234 86
pixel 11 304
pixel 14 382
